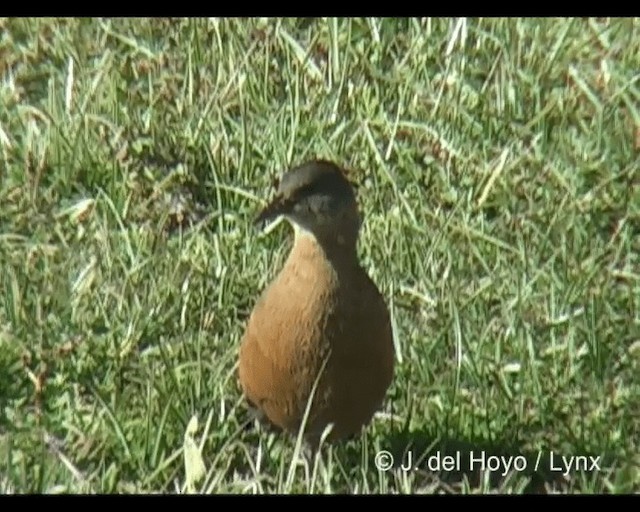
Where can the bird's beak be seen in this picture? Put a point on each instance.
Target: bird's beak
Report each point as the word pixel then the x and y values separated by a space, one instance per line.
pixel 278 206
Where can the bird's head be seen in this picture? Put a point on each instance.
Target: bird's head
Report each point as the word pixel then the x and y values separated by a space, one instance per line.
pixel 317 199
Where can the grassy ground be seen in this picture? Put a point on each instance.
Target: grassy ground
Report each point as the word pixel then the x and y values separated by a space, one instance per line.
pixel 498 164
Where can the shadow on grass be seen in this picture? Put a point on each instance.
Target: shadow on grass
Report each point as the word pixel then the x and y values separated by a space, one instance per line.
pixel 452 464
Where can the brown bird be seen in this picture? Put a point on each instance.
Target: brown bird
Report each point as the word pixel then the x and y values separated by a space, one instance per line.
pixel 321 329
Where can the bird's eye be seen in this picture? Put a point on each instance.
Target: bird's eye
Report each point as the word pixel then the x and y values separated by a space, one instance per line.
pixel 304 191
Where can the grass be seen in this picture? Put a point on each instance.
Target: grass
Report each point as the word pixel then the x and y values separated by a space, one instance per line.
pixel 498 163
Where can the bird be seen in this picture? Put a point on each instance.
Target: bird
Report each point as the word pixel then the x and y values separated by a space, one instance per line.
pixel 317 352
